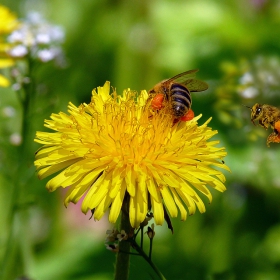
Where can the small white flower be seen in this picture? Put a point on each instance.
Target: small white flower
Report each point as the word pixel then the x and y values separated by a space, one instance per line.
pixel 111 235
pixel 18 51
pixel 247 78
pixel 57 34
pixel 122 235
pixel 9 111
pixel 22 36
pixel 46 55
pixel 35 18
pixel 112 247
pixel 16 37
pixel 48 34
pixel 249 92
pixel 16 86
pixel 15 139
pixel 43 38
pixel 34 32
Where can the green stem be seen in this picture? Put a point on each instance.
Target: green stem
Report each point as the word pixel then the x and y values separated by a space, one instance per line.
pixel 151 248
pixel 17 251
pixel 122 260
pixel 143 254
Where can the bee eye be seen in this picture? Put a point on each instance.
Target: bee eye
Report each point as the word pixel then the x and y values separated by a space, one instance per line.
pixel 258 111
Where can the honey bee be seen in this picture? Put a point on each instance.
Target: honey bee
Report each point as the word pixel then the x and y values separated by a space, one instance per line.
pixel 268 116
pixel 177 92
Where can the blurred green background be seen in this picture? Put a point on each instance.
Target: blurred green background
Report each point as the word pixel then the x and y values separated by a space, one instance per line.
pixel 135 44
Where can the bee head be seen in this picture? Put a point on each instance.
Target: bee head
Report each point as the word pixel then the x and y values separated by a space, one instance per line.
pixel 256 112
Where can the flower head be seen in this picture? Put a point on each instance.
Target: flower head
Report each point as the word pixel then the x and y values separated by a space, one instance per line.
pixel 32 37
pixel 112 247
pixel 113 150
pixel 36 37
pixel 151 231
pixel 112 235
pixel 122 235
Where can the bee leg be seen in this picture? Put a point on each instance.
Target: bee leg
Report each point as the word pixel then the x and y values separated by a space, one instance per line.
pixel 270 139
pixel 274 137
pixel 175 121
pixel 263 123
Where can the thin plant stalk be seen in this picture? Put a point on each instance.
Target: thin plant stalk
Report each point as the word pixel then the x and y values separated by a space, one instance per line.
pixel 147 258
pixel 17 213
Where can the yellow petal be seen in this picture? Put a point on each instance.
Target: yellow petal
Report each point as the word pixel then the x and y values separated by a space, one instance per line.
pixel 180 205
pixel 46 171
pixel 117 204
pixel 6 62
pixel 169 202
pixel 4 82
pixel 157 211
pixel 102 207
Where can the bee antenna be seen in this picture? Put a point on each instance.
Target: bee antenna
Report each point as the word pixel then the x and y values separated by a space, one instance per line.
pixel 247 106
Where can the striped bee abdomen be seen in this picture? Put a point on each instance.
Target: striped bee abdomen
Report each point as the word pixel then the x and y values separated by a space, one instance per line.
pixel 180 99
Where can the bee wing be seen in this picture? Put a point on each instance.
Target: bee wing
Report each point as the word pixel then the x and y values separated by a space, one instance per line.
pixel 195 85
pixel 188 79
pixel 182 77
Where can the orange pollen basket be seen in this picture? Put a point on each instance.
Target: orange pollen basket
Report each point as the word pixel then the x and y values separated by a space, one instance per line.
pixel 157 101
pixel 277 126
pixel 187 117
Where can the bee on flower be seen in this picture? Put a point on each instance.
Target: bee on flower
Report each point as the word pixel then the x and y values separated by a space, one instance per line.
pixel 110 153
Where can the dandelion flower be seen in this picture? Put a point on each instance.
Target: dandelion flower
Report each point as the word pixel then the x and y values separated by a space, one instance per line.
pixel 112 149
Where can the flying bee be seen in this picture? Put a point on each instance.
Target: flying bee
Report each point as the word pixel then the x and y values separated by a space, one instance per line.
pixel 177 92
pixel 268 116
